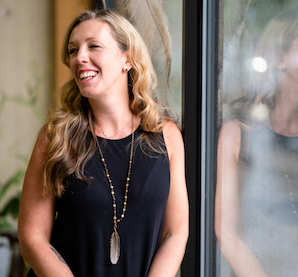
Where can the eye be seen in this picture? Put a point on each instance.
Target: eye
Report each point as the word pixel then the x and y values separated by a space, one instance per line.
pixel 72 51
pixel 94 46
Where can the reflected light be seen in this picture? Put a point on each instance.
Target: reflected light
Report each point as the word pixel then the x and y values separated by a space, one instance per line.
pixel 259 64
pixel 259 113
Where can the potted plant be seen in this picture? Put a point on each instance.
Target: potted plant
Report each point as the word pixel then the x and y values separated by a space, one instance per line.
pixel 9 207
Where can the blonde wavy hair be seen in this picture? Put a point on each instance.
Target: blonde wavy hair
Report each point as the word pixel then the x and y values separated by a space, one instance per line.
pixel 68 126
pixel 277 38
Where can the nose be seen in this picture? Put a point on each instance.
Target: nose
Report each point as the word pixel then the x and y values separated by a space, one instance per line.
pixel 82 56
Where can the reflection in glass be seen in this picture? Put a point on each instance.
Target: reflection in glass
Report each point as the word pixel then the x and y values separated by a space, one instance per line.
pixel 259 64
pixel 256 219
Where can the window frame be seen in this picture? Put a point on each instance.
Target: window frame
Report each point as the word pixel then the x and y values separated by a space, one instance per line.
pixel 200 79
pixel 191 121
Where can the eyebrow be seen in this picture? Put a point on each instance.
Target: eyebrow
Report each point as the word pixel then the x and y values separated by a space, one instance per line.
pixel 88 39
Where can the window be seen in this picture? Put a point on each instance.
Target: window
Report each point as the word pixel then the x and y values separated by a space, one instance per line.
pixel 249 192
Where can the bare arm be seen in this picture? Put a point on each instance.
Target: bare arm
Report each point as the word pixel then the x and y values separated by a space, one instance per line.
pixel 175 231
pixel 36 219
pixel 227 206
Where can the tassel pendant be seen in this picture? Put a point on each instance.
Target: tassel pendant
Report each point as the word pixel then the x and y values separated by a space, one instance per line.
pixel 114 247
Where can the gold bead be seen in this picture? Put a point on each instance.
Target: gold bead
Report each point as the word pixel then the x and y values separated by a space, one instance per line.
pixel 112 187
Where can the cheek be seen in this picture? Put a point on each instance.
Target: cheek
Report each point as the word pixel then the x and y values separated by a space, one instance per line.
pixel 72 66
pixel 293 60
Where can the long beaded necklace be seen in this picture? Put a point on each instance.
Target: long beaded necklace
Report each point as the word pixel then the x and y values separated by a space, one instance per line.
pixel 115 238
pixel 288 180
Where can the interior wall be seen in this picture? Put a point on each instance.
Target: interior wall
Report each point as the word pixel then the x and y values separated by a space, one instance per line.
pixel 26 80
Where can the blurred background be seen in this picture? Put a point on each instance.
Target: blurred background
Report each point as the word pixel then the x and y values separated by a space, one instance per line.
pixel 31 33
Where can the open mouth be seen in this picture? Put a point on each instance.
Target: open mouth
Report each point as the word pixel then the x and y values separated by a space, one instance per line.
pixel 87 75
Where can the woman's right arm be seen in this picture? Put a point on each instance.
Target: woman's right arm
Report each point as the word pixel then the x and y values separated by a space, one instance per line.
pixel 227 206
pixel 36 218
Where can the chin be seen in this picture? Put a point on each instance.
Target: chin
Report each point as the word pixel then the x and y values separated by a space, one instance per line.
pixel 90 94
pixel 87 94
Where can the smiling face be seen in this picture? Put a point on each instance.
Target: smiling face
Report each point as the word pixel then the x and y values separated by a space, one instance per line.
pixel 98 65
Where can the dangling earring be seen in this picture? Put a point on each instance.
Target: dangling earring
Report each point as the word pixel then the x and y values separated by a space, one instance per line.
pixel 283 69
pixel 281 66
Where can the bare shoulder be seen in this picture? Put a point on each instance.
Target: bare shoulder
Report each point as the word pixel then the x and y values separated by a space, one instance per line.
pixel 42 141
pixel 232 127
pixel 40 149
pixel 230 138
pixel 173 138
pixel 36 163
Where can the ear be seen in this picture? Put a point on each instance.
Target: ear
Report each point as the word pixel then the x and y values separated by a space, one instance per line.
pixel 281 66
pixel 127 65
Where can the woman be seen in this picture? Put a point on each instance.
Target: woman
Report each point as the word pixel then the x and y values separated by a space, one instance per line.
pixel 256 220
pixel 104 193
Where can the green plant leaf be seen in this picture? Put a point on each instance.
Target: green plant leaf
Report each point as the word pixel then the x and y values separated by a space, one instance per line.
pixel 11 208
pixel 5 225
pixel 14 180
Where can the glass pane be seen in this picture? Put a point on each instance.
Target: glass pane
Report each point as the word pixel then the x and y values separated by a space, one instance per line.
pixel 256 203
pixel 161 25
pixel 173 10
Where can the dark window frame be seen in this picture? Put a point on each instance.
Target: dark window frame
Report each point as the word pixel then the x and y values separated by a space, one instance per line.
pixel 200 79
pixel 191 118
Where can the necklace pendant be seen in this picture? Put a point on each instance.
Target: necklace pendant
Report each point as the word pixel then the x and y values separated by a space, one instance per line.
pixel 114 247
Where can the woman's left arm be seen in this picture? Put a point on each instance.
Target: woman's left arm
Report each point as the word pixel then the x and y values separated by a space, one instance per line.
pixel 175 230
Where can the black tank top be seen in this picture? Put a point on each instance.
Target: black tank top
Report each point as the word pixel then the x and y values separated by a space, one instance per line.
pixel 84 224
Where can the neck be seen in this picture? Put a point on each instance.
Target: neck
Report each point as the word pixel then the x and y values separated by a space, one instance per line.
pixel 284 117
pixel 113 121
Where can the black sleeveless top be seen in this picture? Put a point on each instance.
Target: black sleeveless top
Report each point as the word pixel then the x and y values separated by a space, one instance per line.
pixel 269 205
pixel 84 224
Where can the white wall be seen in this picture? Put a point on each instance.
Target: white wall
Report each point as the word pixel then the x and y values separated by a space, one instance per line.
pixel 26 62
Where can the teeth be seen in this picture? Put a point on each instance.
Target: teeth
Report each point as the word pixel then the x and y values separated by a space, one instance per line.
pixel 88 74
